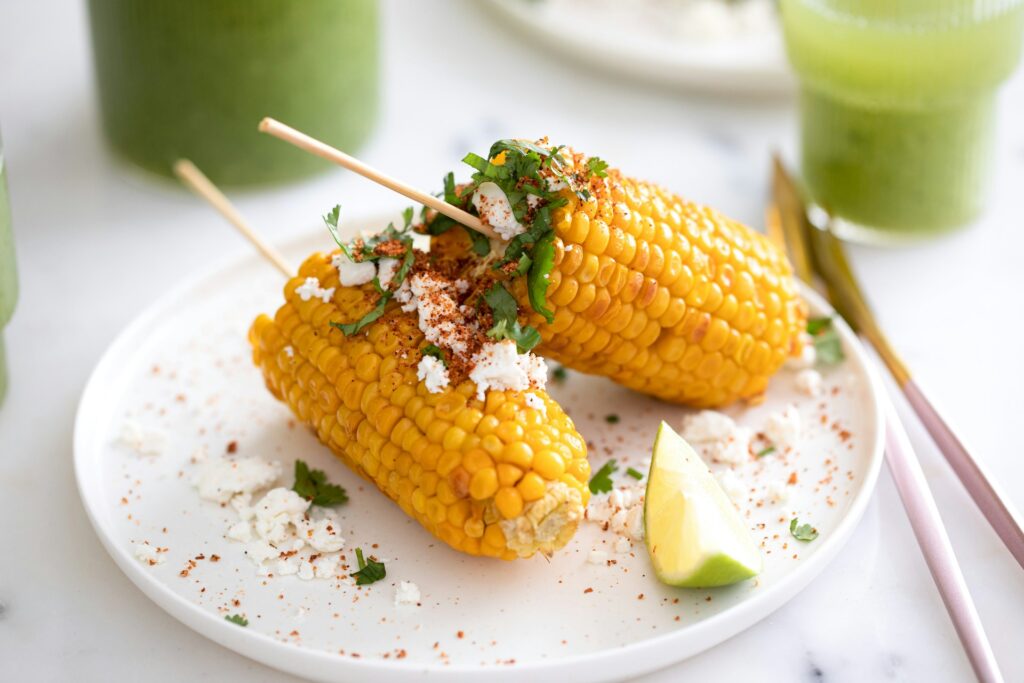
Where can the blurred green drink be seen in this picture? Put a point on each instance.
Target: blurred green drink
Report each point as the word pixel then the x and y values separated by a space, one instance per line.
pixel 193 78
pixel 8 272
pixel 897 107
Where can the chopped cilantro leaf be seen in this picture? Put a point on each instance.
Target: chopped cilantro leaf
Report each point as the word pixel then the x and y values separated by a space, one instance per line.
pixel 816 326
pixel 559 374
pixel 331 220
pixel 435 351
pixel 601 482
pixel 636 474
pixel 524 265
pixel 369 571
pixel 611 419
pixel 525 337
pixel 506 323
pixel 237 619
pixel 802 532
pixel 597 166
pixel 313 486
pixel 765 451
pixel 827 345
pixel 348 329
pixel 502 303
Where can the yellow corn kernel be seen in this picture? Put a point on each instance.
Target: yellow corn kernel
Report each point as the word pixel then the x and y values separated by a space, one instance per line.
pixel 548 464
pixel 509 502
pixel 530 488
pixel 484 484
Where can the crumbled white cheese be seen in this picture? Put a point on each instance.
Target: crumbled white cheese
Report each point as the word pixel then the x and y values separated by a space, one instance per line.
pixel 494 209
pixel 783 428
pixel 287 538
pixel 734 449
pixel 635 523
pixel 275 514
pixel 148 554
pixel 621 512
pixel 434 375
pixel 809 382
pixel 289 351
pixel 707 425
pixel 321 534
pixel 407 593
pixel 536 402
pixel 220 480
pixel 142 440
pixel 807 358
pixel 440 319
pixel 240 531
pixel 732 485
pixel 352 274
pixel 597 556
pixel 386 269
pixel 500 366
pixel 311 289
pixel 717 437
pixel 778 491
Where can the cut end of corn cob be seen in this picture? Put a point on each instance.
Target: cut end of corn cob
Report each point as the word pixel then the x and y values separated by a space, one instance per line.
pixel 502 477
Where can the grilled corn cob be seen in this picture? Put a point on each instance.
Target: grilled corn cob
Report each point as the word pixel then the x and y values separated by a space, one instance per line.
pixel 660 294
pixel 493 477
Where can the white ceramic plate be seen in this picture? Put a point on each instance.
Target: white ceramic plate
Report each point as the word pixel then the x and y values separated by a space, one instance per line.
pixel 182 369
pixel 748 65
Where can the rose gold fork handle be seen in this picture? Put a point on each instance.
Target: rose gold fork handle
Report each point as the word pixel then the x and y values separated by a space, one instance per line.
pixel 936 548
pixel 986 495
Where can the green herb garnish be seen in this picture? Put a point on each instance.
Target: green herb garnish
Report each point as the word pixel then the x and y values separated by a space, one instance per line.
pixel 369 571
pixel 559 374
pixel 349 329
pixel 612 419
pixel 636 474
pixel 364 250
pixel 597 167
pixel 803 532
pixel 601 482
pixel 765 451
pixel 506 323
pixel 435 351
pixel 827 345
pixel 313 486
pixel 816 326
pixel 237 619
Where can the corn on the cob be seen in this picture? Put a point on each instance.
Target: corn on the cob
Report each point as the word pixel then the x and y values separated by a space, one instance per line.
pixel 660 294
pixel 492 477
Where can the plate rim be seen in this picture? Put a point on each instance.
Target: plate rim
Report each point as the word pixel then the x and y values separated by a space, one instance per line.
pixel 641 657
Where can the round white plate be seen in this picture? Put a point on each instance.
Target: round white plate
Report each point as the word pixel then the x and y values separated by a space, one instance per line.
pixel 183 370
pixel 748 65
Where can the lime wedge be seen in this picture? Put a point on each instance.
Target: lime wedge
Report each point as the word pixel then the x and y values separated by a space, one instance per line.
pixel 695 537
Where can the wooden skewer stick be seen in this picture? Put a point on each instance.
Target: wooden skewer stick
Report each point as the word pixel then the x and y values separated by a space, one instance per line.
pixel 197 181
pixel 325 151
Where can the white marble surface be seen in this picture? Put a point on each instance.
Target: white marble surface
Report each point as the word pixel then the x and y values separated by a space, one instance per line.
pixel 96 244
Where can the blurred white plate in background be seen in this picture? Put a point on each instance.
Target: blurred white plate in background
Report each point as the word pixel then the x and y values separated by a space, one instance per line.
pixel 710 45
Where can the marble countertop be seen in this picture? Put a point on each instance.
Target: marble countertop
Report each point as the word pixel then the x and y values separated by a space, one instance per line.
pixel 97 243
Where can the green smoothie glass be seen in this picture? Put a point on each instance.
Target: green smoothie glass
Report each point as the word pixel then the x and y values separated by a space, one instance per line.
pixel 8 273
pixel 193 78
pixel 897 107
